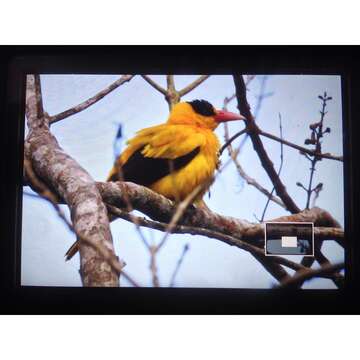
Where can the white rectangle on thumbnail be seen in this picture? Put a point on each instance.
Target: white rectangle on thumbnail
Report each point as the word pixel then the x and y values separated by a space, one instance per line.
pixel 289 241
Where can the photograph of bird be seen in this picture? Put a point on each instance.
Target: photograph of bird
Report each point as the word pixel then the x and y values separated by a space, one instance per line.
pixel 173 158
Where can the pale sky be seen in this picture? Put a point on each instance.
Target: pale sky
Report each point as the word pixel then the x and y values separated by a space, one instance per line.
pixel 88 137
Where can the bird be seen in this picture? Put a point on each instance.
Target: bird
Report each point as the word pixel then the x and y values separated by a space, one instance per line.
pixel 175 157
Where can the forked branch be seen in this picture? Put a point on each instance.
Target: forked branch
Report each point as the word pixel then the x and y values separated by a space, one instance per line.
pixel 253 131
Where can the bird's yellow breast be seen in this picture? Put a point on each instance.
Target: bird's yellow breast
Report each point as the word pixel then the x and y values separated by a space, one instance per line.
pixel 182 182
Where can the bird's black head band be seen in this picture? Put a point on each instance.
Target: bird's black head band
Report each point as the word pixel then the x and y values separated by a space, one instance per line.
pixel 202 107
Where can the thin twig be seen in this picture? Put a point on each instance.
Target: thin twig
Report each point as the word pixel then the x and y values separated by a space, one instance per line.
pixel 230 140
pixel 91 101
pixel 193 85
pixel 278 173
pixel 181 208
pixel 316 134
pixel 153 266
pixel 300 148
pixel 317 190
pixel 154 84
pixel 178 264
pixel 173 96
pixel 234 157
pixel 252 182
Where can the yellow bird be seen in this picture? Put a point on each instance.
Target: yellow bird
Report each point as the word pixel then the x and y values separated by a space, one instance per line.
pixel 173 158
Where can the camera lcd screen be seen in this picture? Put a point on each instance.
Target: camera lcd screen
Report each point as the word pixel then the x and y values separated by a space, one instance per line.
pixel 196 181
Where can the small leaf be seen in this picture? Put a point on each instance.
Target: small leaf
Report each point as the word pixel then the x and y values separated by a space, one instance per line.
pixel 320 97
pixel 329 98
pixel 299 184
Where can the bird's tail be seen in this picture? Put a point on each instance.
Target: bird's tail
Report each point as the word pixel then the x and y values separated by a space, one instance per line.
pixel 74 248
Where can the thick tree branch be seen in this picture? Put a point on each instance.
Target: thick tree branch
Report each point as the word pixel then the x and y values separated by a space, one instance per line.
pixel 257 251
pixel 64 175
pixel 192 230
pixel 308 274
pixel 337 278
pixel 45 193
pixel 253 131
pixel 84 105
pixel 162 209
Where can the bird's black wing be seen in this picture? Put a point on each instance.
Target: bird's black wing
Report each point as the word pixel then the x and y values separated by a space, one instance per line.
pixel 146 170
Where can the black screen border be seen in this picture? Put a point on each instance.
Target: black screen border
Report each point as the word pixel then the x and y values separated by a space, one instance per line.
pixel 187 60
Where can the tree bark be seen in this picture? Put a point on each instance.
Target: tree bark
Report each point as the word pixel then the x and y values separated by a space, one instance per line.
pixel 68 179
pixel 161 209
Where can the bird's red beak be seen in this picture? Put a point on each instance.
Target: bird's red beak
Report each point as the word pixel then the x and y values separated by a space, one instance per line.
pixel 222 116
